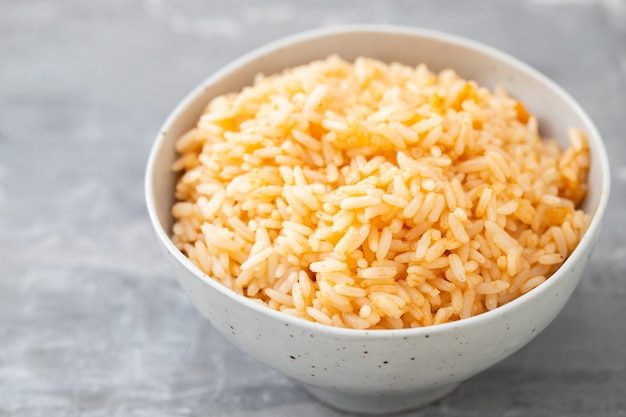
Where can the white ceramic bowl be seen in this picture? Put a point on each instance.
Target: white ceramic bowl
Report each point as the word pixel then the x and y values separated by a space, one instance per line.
pixel 383 370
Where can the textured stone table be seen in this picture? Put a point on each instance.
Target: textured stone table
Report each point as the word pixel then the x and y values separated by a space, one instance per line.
pixel 92 322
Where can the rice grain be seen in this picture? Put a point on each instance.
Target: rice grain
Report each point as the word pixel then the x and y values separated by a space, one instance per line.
pixel 367 195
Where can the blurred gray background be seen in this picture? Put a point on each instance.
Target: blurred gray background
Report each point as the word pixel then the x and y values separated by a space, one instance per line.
pixel 92 321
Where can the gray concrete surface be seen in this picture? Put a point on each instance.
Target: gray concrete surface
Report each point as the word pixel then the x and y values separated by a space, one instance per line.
pixel 92 322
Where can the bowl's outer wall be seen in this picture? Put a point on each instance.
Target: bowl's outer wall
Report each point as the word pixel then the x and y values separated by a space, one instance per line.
pixel 362 364
pixel 391 361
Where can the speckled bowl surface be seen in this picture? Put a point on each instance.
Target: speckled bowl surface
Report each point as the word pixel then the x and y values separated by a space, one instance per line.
pixel 380 371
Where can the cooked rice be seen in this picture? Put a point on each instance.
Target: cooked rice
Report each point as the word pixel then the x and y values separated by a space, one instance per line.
pixel 369 195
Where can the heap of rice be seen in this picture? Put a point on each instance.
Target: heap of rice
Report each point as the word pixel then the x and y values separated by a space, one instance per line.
pixel 369 195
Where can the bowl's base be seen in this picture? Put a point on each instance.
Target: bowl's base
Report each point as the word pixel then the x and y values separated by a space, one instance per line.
pixel 378 404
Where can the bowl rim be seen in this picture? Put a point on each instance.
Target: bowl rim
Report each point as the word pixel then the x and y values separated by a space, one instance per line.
pixel 474 46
